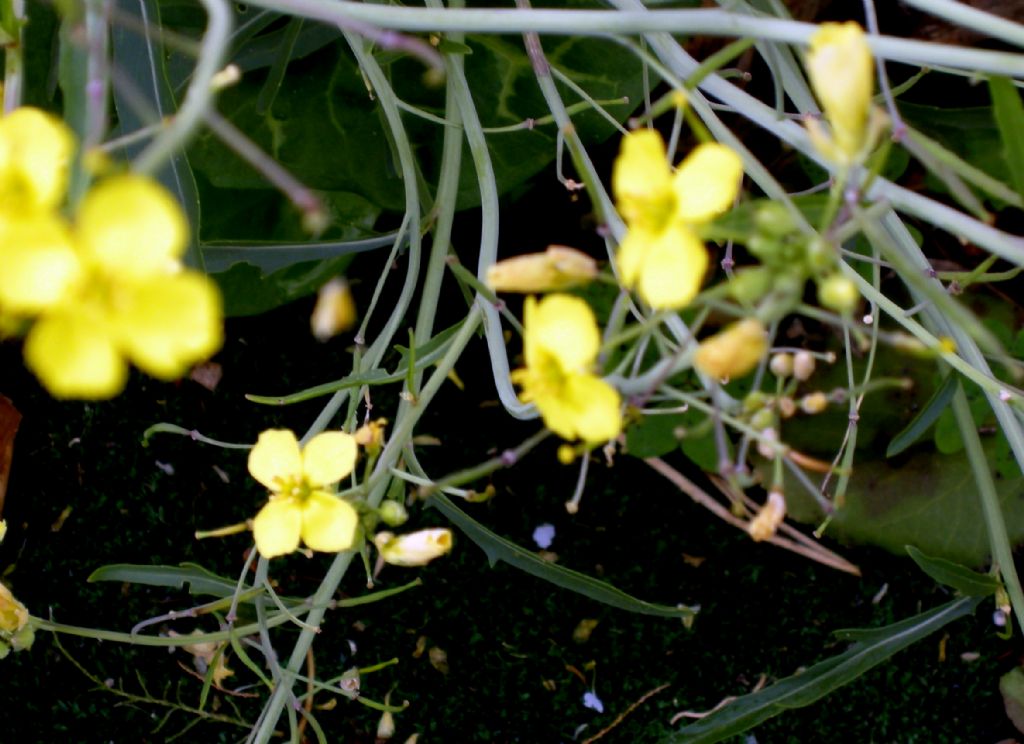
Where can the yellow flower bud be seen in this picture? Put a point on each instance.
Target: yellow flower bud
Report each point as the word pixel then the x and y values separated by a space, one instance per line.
pixel 781 365
pixel 803 365
pixel 3 529
pixel 838 293
pixel 335 310
pixel 814 403
pixel 766 523
pixel 734 351
pixel 414 549
pixel 557 268
pixel 841 71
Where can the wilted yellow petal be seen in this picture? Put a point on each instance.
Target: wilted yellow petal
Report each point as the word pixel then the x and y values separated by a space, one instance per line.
pixel 74 357
pixel 13 614
pixel 39 264
pixel 707 182
pixel 765 524
pixel 734 351
pixel 275 459
pixel 167 325
pixel 328 523
pixel 328 457
pixel 277 527
pixel 132 227
pixel 335 310
pixel 414 549
pixel 557 268
pixel 35 152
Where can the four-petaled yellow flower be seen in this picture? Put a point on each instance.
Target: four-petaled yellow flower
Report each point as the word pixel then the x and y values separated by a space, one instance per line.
pixel 105 288
pixel 300 508
pixel 662 255
pixel 561 342
pixel 842 74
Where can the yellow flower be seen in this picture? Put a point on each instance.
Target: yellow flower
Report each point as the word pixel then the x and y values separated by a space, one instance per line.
pixel 734 351
pixel 13 615
pixel 561 341
pixel 335 310
pixel 124 297
pixel 842 74
pixel 662 255
pixel 414 549
pixel 35 153
pixel 557 268
pixel 40 265
pixel 299 507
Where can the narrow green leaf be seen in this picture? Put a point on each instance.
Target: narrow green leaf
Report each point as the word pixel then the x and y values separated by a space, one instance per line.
pixel 272 257
pixel 200 580
pixel 925 418
pixel 872 648
pixel 964 580
pixel 497 548
pixel 1009 115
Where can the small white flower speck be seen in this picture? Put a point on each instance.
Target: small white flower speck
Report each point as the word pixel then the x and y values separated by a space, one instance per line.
pixel 592 701
pixel 544 535
pixel 1004 395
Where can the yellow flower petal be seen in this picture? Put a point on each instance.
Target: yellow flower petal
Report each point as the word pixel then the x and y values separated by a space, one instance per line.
pixel 328 523
pixel 707 182
pixel 166 325
pixel 35 151
pixel 734 351
pixel 673 269
pixel 275 458
pixel 641 179
pixel 563 327
pixel 415 548
pixel 132 227
pixel 39 264
pixel 598 417
pixel 74 357
pixel 277 527
pixel 328 457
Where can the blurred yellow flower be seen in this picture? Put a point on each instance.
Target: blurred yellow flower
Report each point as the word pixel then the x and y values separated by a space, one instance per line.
pixel 299 507
pixel 559 267
pixel 662 255
pixel 734 351
pixel 414 549
pixel 13 614
pixel 561 341
pixel 35 154
pixel 111 291
pixel 842 74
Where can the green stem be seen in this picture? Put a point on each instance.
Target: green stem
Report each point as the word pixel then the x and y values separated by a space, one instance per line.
pixel 999 541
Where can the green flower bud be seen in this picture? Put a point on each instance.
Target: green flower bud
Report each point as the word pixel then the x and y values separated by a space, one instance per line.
pixel 748 285
pixel 819 255
pixel 837 292
pixel 755 400
pixel 774 219
pixel 763 419
pixel 393 513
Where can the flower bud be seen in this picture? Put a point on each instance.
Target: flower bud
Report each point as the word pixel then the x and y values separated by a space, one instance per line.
pixel 371 436
pixel 415 548
pixel 335 310
pixel 557 268
pixel 393 513
pixel 750 284
pixel 3 529
pixel 13 614
pixel 814 403
pixel 772 218
pixel 734 351
pixel 803 365
pixel 781 365
pixel 837 292
pixel 842 74
pixel 763 419
pixel 786 406
pixel 766 523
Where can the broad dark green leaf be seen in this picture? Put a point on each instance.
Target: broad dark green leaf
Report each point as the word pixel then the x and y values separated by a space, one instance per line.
pixel 497 548
pixel 1009 115
pixel 964 580
pixel 871 648
pixel 925 418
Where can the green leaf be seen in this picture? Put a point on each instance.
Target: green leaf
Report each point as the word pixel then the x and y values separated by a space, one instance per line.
pixel 871 648
pixel 200 580
pixel 925 418
pixel 964 580
pixel 1009 115
pixel 497 548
